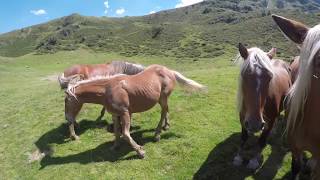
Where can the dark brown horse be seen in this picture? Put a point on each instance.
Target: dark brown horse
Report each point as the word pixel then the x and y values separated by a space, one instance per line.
pixel 303 122
pixel 80 72
pixel 123 95
pixel 263 84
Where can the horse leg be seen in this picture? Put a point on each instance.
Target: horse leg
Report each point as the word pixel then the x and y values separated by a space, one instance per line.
pixel 71 118
pixel 296 163
pixel 103 110
pixel 237 161
pixel 116 130
pixel 254 162
pixel 164 113
pixel 125 123
pixel 316 171
pixel 166 123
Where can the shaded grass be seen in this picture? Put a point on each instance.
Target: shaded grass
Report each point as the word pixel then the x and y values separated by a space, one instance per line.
pixel 201 143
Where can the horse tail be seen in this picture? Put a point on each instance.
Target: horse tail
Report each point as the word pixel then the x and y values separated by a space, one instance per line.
pixel 188 83
pixel 65 81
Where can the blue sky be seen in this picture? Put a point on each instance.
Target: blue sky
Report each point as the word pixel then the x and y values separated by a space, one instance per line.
pixel 16 14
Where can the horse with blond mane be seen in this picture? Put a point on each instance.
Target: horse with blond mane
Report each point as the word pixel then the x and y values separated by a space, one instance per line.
pixel 303 121
pixel 80 72
pixel 123 95
pixel 263 85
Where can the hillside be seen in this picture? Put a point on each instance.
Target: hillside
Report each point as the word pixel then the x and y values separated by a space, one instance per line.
pixel 203 30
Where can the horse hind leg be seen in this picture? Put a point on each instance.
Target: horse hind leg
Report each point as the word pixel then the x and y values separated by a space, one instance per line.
pixel 103 110
pixel 164 117
pixel 125 123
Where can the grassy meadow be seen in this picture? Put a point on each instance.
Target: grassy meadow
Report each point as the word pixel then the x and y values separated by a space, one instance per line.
pixel 201 143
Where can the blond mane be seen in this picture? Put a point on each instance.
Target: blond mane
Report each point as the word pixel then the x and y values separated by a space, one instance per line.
pixel 72 86
pixel 256 57
pixel 299 92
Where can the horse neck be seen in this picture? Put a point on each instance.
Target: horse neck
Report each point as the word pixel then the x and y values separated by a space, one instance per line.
pixel 91 92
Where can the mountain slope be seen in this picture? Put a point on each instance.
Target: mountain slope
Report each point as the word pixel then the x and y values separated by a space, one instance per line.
pixel 202 30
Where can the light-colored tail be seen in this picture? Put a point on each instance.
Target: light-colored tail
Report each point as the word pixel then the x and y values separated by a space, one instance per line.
pixel 64 81
pixel 189 84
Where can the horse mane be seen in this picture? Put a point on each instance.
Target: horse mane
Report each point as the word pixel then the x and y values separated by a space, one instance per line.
pixel 256 56
pixel 122 67
pixel 72 86
pixel 298 94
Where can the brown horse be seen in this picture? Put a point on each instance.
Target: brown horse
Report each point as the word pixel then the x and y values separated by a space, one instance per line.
pixel 84 71
pixel 263 84
pixel 123 95
pixel 303 121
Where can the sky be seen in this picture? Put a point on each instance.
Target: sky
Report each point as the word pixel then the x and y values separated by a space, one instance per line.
pixel 16 14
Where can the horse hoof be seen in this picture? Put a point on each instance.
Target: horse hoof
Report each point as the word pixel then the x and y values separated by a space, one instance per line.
pixel 166 127
pixel 76 138
pixel 141 153
pixel 237 161
pixel 253 164
pixel 157 138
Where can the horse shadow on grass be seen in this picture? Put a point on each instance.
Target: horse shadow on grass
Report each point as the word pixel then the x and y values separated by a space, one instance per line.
pixel 219 163
pixel 101 153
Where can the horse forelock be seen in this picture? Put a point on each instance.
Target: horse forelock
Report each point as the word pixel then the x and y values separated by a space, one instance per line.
pixel 257 57
pixel 298 94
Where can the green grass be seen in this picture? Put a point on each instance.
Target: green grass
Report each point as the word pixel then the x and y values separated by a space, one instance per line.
pixel 201 143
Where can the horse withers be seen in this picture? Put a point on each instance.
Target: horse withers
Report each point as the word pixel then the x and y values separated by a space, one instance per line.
pixel 263 84
pixel 303 122
pixel 80 72
pixel 123 95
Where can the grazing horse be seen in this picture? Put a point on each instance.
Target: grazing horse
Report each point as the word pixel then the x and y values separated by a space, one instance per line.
pixel 83 71
pixel 263 84
pixel 123 95
pixel 303 122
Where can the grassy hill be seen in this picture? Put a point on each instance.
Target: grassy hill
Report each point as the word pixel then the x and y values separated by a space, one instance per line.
pixel 203 30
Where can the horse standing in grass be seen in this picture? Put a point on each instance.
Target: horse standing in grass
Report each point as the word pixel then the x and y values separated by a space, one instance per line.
pixel 123 95
pixel 263 84
pixel 80 72
pixel 303 122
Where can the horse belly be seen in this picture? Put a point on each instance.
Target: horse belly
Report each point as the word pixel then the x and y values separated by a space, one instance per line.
pixel 143 103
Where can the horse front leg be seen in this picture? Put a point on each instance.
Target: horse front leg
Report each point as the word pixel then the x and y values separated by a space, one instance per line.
pixel 254 163
pixel 238 160
pixel 72 109
pixel 125 123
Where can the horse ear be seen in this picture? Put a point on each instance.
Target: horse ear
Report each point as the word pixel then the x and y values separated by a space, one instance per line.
pixel 272 53
pixel 243 51
pixel 295 30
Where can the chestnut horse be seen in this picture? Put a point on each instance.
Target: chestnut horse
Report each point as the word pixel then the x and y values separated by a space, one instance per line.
pixel 85 71
pixel 263 84
pixel 303 120
pixel 123 95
